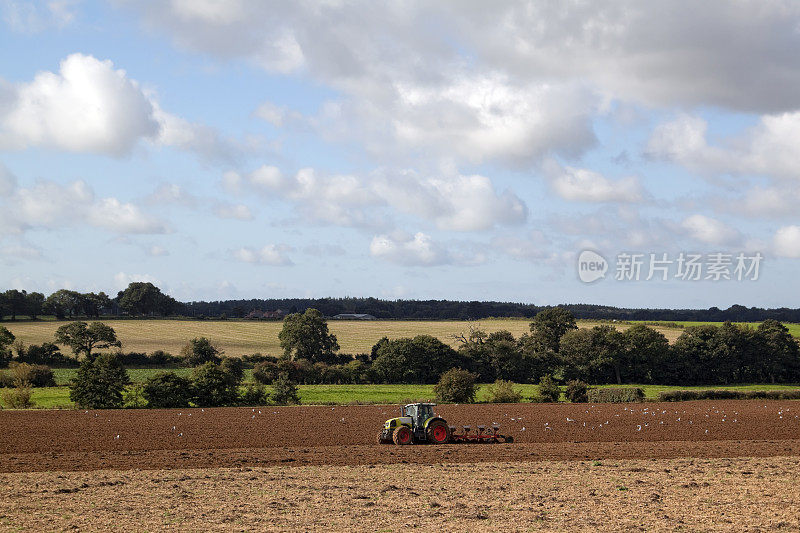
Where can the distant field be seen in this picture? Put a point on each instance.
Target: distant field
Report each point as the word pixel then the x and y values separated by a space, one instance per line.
pixel 794 329
pixel 239 338
pixel 58 397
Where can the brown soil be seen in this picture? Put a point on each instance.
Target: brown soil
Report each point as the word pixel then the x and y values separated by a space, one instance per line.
pixel 154 439
pixel 743 494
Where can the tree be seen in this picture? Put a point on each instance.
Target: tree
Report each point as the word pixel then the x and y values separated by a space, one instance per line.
pixel 6 340
pixel 780 358
pixel 549 391
pixel 15 302
pixel 99 383
pixel 306 336
pixel 456 386
pixel 607 351
pixel 284 390
pixel 34 303
pixel 549 326
pixel 144 298
pixel 419 360
pixel 200 351
pixel 167 390
pixel 214 386
pixel 646 354
pixel 83 338
pixel 62 303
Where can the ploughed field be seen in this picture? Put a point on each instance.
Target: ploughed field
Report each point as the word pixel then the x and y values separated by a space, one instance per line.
pixel 345 435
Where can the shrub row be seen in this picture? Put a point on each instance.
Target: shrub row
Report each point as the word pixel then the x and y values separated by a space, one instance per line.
pixel 615 395
pixel 20 374
pixel 724 394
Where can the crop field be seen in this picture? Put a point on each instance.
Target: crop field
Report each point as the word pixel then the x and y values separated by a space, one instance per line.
pixel 794 329
pixel 239 338
pixel 691 466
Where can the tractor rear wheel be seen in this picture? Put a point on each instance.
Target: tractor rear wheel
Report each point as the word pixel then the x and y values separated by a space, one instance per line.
pixel 402 435
pixel 438 432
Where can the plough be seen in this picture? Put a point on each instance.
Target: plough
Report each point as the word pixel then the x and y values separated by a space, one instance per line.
pixel 417 424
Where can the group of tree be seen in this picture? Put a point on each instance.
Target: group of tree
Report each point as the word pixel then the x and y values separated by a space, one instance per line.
pixel 146 299
pixel 555 346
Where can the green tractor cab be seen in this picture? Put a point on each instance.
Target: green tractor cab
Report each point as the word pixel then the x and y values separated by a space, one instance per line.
pixel 416 424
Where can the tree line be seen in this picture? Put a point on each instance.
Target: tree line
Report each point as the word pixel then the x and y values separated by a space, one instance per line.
pixel 145 299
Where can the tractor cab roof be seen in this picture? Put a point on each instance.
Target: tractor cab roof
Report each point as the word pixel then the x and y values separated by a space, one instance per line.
pixel 421 403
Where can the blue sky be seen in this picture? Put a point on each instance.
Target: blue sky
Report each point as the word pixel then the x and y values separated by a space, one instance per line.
pixel 245 149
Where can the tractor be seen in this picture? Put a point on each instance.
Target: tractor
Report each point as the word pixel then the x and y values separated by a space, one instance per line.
pixel 417 423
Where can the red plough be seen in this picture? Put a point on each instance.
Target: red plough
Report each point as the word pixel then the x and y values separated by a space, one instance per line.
pixel 481 435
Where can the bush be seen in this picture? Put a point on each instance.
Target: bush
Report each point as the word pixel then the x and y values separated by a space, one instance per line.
pixel 265 372
pixel 47 354
pixel 616 395
pixel 99 383
pixel 576 391
pixel 134 359
pixel 284 390
pixel 503 392
pixel 725 394
pixel 214 386
pixel 34 375
pixel 456 386
pixel 6 380
pixel 255 394
pixel 133 398
pixel 256 358
pixel 162 358
pixel 549 391
pixel 200 351
pixel 18 398
pixel 167 390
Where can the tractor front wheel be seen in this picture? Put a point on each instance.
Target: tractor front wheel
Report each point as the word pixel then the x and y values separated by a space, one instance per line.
pixel 380 438
pixel 402 435
pixel 438 432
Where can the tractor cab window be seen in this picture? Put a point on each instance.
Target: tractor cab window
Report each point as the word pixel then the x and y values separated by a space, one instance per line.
pixel 425 412
pixel 411 410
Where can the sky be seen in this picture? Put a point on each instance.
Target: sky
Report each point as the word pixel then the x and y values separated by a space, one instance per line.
pixel 449 150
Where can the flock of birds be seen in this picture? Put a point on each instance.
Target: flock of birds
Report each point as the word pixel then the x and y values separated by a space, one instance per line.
pixel 634 419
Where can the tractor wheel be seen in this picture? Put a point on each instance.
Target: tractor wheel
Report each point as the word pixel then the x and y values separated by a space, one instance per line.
pixel 509 439
pixel 438 432
pixel 380 439
pixel 402 435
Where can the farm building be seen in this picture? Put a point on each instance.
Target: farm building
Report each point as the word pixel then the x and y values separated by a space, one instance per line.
pixel 353 316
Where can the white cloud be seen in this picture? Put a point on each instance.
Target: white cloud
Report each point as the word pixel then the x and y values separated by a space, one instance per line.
pixel 235 211
pixel 767 202
pixel 113 215
pixel 770 148
pixel 419 250
pixel 786 241
pixel 271 254
pixel 13 253
pixel 33 17
pixel 451 200
pixel 709 230
pixel 584 185
pixel 271 113
pixel 51 205
pixel 86 107
pixel 122 280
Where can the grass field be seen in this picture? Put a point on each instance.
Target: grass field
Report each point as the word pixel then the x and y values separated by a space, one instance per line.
pixel 239 338
pixel 58 397
pixel 794 329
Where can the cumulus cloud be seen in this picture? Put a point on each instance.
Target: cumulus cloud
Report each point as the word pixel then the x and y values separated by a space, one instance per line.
pixel 271 254
pixel 87 106
pixel 49 205
pixel 419 250
pixel 157 251
pixel 770 148
pixel 709 230
pixel 11 254
pixel 452 201
pixel 786 241
pixel 33 17
pixel 172 193
pixel 584 185
pixel 499 82
pixel 8 182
